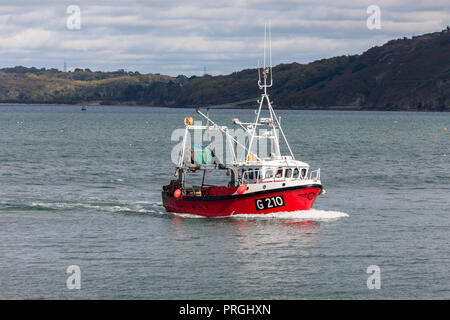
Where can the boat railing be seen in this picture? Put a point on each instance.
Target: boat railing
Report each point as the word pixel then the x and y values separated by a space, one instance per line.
pixel 255 177
pixel 314 175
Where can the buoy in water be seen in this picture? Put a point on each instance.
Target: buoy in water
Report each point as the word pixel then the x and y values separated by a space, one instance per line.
pixel 242 188
pixel 177 193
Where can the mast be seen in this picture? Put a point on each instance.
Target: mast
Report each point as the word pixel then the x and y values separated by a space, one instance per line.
pixel 267 82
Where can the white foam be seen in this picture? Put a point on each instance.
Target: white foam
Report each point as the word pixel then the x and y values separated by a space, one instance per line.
pixel 312 214
pixel 51 205
pixel 154 207
pixel 188 215
pixel 101 207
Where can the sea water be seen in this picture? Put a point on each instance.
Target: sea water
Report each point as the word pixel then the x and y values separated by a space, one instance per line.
pixel 83 189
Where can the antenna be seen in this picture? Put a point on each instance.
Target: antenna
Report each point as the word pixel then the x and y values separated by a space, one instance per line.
pixel 259 75
pixel 266 69
pixel 270 52
pixel 265 27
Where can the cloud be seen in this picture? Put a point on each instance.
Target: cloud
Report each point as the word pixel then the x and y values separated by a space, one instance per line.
pixel 29 39
pixel 172 37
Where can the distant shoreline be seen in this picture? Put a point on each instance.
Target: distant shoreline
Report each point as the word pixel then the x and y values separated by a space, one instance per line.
pixel 401 75
pixel 315 108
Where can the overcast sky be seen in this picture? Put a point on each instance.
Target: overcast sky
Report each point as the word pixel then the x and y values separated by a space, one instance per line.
pixel 181 37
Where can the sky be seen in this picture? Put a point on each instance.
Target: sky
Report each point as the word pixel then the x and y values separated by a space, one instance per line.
pixel 185 37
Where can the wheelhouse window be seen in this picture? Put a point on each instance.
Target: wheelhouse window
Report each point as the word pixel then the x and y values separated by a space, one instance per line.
pixel 269 174
pixel 279 173
pixel 303 173
pixel 288 173
pixel 296 173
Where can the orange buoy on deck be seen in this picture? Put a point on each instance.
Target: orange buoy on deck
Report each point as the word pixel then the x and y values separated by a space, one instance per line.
pixel 242 188
pixel 177 193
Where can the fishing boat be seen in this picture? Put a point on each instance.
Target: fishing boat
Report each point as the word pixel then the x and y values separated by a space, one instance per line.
pixel 256 184
pixel 83 108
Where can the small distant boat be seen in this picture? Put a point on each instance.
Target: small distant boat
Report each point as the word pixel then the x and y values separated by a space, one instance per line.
pixel 257 184
pixel 83 108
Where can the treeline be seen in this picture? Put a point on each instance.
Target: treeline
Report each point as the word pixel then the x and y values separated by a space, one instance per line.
pixel 403 74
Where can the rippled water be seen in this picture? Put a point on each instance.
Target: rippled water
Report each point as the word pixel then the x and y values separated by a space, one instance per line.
pixel 83 188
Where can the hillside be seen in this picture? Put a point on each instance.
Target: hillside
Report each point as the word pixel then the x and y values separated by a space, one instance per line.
pixel 403 74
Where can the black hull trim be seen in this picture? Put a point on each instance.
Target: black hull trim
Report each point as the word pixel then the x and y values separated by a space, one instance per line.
pixel 235 196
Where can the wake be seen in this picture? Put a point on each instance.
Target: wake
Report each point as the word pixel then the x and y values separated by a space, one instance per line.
pixel 312 214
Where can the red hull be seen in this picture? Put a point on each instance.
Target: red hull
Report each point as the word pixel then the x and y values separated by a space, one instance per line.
pixel 280 200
